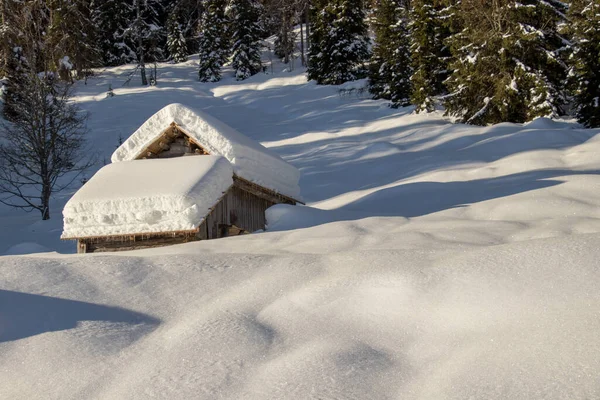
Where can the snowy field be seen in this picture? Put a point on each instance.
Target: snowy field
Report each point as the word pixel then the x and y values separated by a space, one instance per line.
pixel 432 261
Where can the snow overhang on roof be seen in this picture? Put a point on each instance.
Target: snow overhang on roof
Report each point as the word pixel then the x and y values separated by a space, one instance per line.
pixel 250 160
pixel 147 196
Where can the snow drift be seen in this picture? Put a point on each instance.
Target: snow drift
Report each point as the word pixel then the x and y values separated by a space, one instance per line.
pixel 147 196
pixel 250 159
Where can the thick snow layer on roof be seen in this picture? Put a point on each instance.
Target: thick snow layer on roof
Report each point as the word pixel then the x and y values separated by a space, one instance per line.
pixel 147 196
pixel 250 159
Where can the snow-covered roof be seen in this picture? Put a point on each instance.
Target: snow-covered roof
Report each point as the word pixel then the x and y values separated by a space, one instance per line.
pixel 147 196
pixel 250 160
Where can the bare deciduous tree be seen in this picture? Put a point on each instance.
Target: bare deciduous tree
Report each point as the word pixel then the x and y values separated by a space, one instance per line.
pixel 42 150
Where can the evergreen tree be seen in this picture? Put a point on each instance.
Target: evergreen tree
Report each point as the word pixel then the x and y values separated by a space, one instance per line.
pixel 176 43
pixel 9 32
pixel 213 46
pixel 339 42
pixel 145 34
pixel 320 19
pixel 112 18
pixel 285 41
pixel 429 54
pixel 246 33
pixel 390 69
pixel 585 60
pixel 72 37
pixel 189 14
pixel 506 64
pixel 17 69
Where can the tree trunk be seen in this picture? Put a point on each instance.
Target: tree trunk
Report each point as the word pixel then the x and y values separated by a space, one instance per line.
pixel 302 59
pixel 284 37
pixel 140 49
pixel 45 206
pixel 307 17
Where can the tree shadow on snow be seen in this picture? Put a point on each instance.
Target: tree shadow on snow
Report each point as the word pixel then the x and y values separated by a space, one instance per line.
pixel 24 315
pixel 420 198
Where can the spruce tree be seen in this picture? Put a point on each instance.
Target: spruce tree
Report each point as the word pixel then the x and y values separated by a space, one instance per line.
pixel 213 46
pixel 339 42
pixel 246 33
pixel 429 54
pixel 176 44
pixel 9 32
pixel 17 69
pixel 585 60
pixel 319 21
pixel 285 42
pixel 506 65
pixel 111 19
pixel 72 36
pixel 390 69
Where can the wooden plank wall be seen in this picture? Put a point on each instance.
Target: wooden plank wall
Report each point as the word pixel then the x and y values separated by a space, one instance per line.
pixel 98 245
pixel 238 208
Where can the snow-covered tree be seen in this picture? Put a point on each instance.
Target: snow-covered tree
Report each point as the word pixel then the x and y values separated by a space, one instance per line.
pixel 71 36
pixel 283 14
pixel 390 69
pixel 112 18
pixel 246 33
pixel 16 70
pixel 585 60
pixel 213 45
pixel 339 41
pixel 429 54
pixel 506 65
pixel 27 50
pixel 145 33
pixel 319 21
pixel 176 44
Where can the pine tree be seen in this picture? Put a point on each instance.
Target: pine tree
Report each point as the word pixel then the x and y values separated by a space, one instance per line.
pixel 189 14
pixel 585 60
pixel 245 34
pixel 72 37
pixel 9 33
pixel 17 69
pixel 146 34
pixel 390 69
pixel 176 44
pixel 339 42
pixel 320 19
pixel 213 44
pixel 112 18
pixel 506 65
pixel 429 54
pixel 285 42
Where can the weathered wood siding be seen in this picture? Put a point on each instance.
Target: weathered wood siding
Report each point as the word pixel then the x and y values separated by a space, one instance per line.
pixel 238 208
pixel 135 242
pixel 238 211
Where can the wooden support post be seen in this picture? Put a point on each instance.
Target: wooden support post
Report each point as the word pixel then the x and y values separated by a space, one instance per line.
pixel 81 247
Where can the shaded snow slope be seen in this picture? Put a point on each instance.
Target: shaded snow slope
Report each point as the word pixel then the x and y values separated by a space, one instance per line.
pixel 147 196
pixel 250 160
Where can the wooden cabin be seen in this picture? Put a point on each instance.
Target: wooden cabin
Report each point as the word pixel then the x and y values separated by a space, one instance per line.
pixel 143 199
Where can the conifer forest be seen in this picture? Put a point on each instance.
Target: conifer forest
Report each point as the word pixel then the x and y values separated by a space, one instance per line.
pixel 481 61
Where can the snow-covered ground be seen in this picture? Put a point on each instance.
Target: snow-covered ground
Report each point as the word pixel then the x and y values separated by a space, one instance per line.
pixel 432 261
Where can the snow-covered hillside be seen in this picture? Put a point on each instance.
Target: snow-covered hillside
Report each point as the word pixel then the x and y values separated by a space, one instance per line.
pixel 432 261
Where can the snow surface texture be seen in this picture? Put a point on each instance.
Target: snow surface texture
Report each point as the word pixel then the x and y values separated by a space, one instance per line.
pixel 250 159
pixel 515 321
pixel 433 261
pixel 147 196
